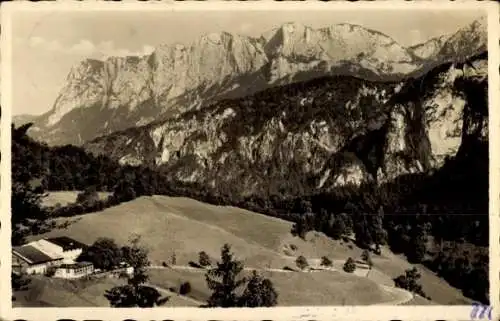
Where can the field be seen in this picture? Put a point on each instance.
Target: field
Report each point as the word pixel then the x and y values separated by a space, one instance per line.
pixel 50 292
pixel 184 227
pixel 65 197
pixel 294 288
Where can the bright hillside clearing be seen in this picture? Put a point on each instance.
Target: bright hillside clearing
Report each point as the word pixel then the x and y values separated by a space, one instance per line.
pixel 295 288
pixel 66 197
pixel 183 226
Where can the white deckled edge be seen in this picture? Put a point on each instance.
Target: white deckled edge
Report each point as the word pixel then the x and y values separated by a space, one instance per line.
pixel 280 313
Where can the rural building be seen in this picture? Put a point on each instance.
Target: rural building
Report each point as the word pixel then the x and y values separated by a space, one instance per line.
pixel 67 247
pixel 38 256
pixel 27 259
pixel 74 271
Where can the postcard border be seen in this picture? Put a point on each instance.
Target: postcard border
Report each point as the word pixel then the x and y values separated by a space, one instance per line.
pixel 278 313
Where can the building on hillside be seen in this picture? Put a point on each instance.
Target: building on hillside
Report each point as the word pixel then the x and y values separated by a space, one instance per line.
pixel 67 247
pixel 74 271
pixel 123 268
pixel 38 256
pixel 27 259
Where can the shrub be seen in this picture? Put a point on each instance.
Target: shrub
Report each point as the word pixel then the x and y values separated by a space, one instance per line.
pixel 301 262
pixel 89 196
pixel 185 288
pixel 164 264
pixel 172 289
pixel 326 262
pixel 195 265
pixel 259 292
pixel 204 259
pixel 293 247
pixel 349 265
pixel 409 281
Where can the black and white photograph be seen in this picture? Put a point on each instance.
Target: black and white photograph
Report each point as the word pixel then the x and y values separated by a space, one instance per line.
pixel 247 158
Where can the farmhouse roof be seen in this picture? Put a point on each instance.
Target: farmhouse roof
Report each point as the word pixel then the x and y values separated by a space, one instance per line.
pixel 32 255
pixel 67 243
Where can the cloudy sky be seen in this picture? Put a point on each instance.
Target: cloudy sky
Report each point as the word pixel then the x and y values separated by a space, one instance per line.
pixel 47 44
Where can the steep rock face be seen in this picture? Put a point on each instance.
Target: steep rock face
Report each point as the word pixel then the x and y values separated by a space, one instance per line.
pixel 101 97
pixel 317 134
pixel 296 48
pixel 466 42
pixel 429 49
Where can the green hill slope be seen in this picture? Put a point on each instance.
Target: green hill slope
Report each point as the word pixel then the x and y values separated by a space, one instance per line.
pixel 183 226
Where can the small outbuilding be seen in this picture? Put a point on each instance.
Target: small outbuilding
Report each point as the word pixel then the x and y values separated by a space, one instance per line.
pixel 74 270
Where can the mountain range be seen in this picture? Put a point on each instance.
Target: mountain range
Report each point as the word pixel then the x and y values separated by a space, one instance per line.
pixel 294 111
pixel 102 97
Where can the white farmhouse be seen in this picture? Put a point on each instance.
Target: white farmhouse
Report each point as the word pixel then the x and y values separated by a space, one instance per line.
pixel 27 259
pixel 38 256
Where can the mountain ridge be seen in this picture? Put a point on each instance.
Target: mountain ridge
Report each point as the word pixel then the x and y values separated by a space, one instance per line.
pixel 132 91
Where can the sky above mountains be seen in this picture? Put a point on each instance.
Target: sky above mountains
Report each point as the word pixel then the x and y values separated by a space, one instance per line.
pixel 47 44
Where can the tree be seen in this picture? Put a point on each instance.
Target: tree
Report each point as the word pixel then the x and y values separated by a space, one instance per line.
pixel 326 261
pixel 338 227
pixel 104 254
pixel 223 280
pixel 349 265
pixel 300 227
pixel 135 293
pixel 378 234
pixel 417 247
pixel 28 216
pixel 124 191
pixel 185 288
pixel 18 282
pixel 409 281
pixel 259 292
pixel 88 197
pixel 362 231
pixel 365 256
pixel 204 259
pixel 301 262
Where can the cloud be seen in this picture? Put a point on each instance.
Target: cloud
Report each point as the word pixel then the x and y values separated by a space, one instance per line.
pixel 84 47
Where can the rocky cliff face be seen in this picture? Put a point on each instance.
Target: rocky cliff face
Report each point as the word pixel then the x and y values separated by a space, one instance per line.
pixel 101 97
pixel 318 134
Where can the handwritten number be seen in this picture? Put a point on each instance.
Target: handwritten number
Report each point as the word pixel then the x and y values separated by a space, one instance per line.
pixel 483 309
